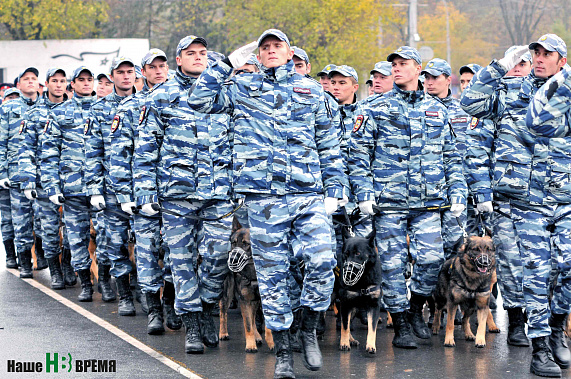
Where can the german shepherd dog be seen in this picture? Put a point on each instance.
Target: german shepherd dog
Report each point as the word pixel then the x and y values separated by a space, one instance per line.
pixel 359 287
pixel 242 283
pixel 466 280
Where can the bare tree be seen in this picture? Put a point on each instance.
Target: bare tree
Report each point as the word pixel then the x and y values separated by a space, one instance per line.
pixel 521 18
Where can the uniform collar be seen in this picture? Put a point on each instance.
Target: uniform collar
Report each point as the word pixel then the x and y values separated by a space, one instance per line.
pixel 113 96
pixel 83 99
pixel 280 73
pixel 183 79
pixel 46 100
pixel 410 96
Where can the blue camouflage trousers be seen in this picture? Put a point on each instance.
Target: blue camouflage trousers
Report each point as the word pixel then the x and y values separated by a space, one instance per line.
pixel 426 248
pixel 194 282
pixel 49 218
pixel 116 224
pixel 536 244
pixel 150 274
pixel 6 215
pixel 98 220
pixel 452 231
pixel 22 220
pixel 275 223
pixel 509 267
pixel 76 215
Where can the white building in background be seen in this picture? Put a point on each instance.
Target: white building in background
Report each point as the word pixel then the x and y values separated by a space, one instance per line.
pixel 95 54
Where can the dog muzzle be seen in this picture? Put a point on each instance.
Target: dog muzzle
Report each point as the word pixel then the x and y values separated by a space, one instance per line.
pixel 237 259
pixel 482 263
pixel 352 272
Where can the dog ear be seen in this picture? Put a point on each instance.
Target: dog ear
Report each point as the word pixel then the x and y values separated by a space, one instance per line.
pixel 460 246
pixel 345 233
pixel 236 224
pixel 371 238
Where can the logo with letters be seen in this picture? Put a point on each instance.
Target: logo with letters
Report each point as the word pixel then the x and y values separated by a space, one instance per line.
pixel 62 363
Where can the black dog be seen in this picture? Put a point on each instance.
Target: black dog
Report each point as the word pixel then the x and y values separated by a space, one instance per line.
pixel 359 287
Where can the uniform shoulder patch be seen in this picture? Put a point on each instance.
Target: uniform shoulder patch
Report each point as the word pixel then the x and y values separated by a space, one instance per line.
pixel 86 127
pixel 115 123
pixel 22 127
pixel 358 122
pixel 305 91
pixel 432 114
pixel 47 127
pixel 143 114
pixel 473 123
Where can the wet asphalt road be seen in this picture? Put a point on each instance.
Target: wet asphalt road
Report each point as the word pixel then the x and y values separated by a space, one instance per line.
pixel 33 324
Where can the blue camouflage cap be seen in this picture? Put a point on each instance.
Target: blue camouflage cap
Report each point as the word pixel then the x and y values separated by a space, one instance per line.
pixel 346 71
pixel 383 67
pixel 273 32
pixel 152 55
pixel 470 67
pixel 138 72
pixel 437 67
pixel 54 70
pixel 551 42
pixel 102 75
pixel 214 56
pixel 326 70
pixel 525 58
pixel 117 61
pixel 300 53
pixel 253 60
pixel 33 70
pixel 370 80
pixel 78 71
pixel 405 52
pixel 187 41
pixel 11 91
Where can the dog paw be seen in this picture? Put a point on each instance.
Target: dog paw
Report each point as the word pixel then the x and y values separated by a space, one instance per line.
pixel 223 337
pixel 271 348
pixel 494 330
pixel 344 347
pixel 389 325
pixel 449 343
pixel 371 350
pixel 470 338
pixel 259 342
pixel 480 343
pixel 435 331
pixel 354 342
pixel 251 351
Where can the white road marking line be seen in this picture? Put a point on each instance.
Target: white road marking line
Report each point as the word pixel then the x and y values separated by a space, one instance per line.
pixel 110 327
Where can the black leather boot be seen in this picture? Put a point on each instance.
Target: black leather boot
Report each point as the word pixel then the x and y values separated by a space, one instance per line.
pixel 193 338
pixel 86 286
pixel 310 352
pixel 11 261
pixel 415 318
pixel 26 264
pixel 542 362
pixel 516 328
pixel 294 331
pixel 41 261
pixel 403 333
pixel 155 315
pixel 558 341
pixel 68 273
pixel 107 292
pixel 209 332
pixel 56 273
pixel 284 355
pixel 126 306
pixel 173 320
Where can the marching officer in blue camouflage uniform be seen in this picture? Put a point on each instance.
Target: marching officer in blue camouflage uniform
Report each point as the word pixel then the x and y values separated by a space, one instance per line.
pixel 38 122
pixel 147 229
pixel 382 77
pixel 403 158
pixel 437 83
pixel 101 124
pixel 182 160
pixel 523 191
pixel 523 67
pixel 549 117
pixel 63 180
pixel 286 159
pixel 467 72
pixel 12 125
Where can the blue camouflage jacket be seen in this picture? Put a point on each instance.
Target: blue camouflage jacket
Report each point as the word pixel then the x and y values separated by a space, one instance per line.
pixel 180 153
pixel 514 154
pixel 12 126
pixel 38 120
pixel 102 122
pixel 549 118
pixel 63 153
pixel 283 139
pixel 130 111
pixel 459 120
pixel 403 153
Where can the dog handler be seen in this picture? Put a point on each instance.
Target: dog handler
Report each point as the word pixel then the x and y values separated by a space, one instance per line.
pixel 403 157
pixel 286 157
